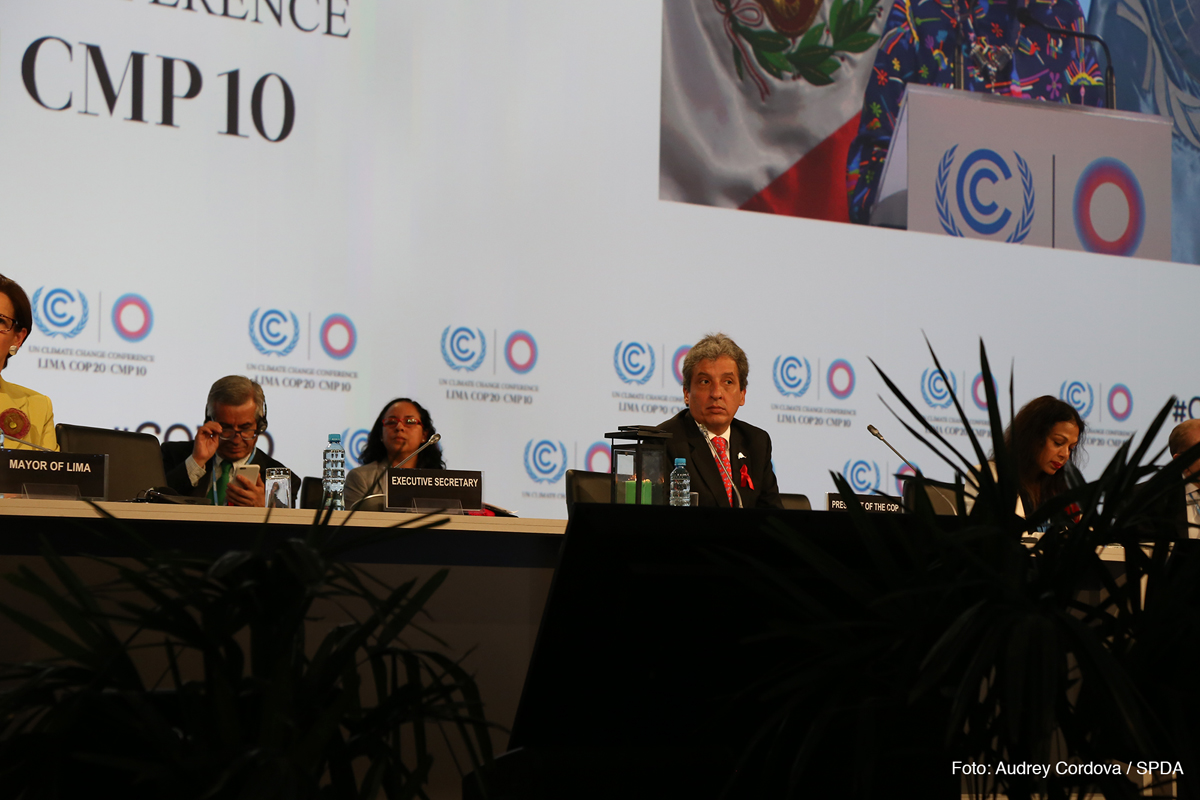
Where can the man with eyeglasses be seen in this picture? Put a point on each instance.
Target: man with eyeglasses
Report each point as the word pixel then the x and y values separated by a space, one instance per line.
pixel 234 417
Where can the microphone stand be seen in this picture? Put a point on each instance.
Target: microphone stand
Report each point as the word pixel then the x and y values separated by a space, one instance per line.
pixel 708 437
pixel 432 440
pixel 6 437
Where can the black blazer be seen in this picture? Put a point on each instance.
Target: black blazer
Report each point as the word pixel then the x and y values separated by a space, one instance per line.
pixel 749 447
pixel 175 455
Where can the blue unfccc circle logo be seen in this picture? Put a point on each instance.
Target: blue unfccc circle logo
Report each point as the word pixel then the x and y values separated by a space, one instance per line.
pixel 634 362
pixel 60 312
pixel 545 461
pixel 1079 395
pixel 132 317
pixel 934 389
pixel 274 332
pixel 792 375
pixel 464 348
pixel 863 476
pixel 356 442
pixel 980 213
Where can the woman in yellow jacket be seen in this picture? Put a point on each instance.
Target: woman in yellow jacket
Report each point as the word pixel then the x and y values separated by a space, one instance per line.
pixel 24 414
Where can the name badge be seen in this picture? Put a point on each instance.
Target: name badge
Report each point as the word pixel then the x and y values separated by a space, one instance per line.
pixel 31 468
pixel 871 503
pixel 430 489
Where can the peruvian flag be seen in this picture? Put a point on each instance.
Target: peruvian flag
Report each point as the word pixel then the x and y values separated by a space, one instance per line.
pixel 761 100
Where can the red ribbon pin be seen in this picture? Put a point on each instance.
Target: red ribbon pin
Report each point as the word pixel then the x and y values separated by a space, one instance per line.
pixel 746 477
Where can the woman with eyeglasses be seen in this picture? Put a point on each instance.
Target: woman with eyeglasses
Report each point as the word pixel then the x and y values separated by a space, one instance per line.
pixel 26 417
pixel 399 430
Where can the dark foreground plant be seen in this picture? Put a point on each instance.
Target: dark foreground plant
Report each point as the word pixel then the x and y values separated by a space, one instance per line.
pixel 953 640
pixel 191 677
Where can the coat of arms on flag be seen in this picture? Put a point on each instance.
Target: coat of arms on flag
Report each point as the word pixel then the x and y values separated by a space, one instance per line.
pixel 761 99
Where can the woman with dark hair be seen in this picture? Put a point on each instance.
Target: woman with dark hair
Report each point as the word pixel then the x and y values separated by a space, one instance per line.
pixel 1043 440
pixel 401 427
pixel 26 417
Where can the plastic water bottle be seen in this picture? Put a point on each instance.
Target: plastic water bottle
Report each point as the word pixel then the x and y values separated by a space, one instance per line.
pixel 333 477
pixel 681 484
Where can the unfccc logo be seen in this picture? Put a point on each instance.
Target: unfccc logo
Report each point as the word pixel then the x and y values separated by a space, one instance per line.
pixel 863 476
pixel 545 461
pixel 520 352
pixel 979 391
pixel 463 348
pixel 677 362
pixel 598 458
pixel 60 312
pixel 356 442
pixel 1079 395
pixel 132 317
pixel 338 336
pixel 840 379
pixel 934 389
pixel 792 375
pixel 905 472
pixel 274 332
pixel 634 362
pixel 982 214
pixel 1120 402
pixel 1101 172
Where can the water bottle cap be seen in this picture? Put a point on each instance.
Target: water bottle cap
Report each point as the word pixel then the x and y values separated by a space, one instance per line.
pixel 335 437
pixel 680 462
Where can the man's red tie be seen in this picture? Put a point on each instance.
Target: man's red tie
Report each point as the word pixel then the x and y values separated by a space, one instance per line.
pixel 723 465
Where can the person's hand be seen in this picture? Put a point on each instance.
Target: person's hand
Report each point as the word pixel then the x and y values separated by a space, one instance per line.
pixel 242 492
pixel 204 446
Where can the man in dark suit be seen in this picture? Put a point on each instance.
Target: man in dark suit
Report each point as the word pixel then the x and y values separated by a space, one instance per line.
pixel 735 470
pixel 234 417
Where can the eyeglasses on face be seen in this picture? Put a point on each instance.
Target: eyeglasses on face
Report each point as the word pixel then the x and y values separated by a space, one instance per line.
pixel 7 324
pixel 245 432
pixel 408 422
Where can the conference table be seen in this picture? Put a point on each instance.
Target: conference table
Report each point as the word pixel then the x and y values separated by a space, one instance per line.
pixel 491 604
pixel 500 570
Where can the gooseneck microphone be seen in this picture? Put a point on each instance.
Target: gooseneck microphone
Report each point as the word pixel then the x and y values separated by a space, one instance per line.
pixel 5 437
pixel 708 437
pixel 437 437
pixel 1110 79
pixel 875 432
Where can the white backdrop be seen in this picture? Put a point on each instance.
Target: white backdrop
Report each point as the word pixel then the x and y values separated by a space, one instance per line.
pixel 459 175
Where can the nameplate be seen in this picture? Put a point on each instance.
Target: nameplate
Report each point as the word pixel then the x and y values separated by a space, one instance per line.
pixel 434 488
pixel 872 503
pixel 88 473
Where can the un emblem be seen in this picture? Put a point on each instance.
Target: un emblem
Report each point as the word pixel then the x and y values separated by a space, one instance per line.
pixel 60 312
pixel 985 217
pixel 464 348
pixel 274 332
pixel 1078 395
pixel 792 375
pixel 545 461
pixel 863 476
pixel 634 362
pixel 935 390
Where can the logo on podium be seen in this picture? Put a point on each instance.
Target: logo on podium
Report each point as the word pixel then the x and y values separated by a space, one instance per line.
pixel 974 202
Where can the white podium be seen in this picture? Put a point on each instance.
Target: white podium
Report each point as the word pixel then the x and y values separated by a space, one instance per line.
pixel 1027 172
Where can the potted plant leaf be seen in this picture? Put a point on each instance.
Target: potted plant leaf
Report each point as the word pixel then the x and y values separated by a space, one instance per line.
pixel 193 676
